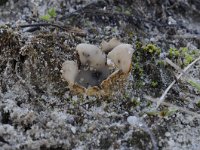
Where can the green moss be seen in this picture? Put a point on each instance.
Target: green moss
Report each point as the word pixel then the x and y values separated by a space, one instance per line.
pixel 145 58
pixel 45 17
pixel 118 9
pixel 138 45
pixel 173 53
pixel 188 59
pixel 149 52
pixel 127 12
pixel 135 102
pixel 198 104
pixel 152 113
pixel 167 112
pixel 3 26
pixel 139 84
pixel 154 84
pixel 182 56
pixel 194 84
pixel 138 70
pixel 149 103
pixel 51 14
pixel 161 62
pixel 163 113
pixel 152 49
pixel 130 34
pixel 126 95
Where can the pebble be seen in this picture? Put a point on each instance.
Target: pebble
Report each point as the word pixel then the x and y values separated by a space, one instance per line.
pixel 171 21
pixel 167 134
pixel 171 142
pixel 75 98
pixel 134 121
pixel 73 129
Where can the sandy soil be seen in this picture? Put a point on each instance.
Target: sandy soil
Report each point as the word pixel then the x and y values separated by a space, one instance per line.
pixel 37 109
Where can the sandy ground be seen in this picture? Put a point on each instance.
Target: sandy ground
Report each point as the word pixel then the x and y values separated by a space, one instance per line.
pixel 37 109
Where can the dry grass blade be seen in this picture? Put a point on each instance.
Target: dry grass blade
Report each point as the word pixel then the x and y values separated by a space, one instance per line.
pixel 161 99
pixel 190 80
pixel 194 83
pixel 167 60
pixel 195 115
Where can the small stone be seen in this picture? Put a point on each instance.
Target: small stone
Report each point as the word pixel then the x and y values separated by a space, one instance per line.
pixel 171 21
pixel 75 98
pixel 73 129
pixel 132 120
pixel 171 142
pixel 167 134
pixel 180 138
pixel 83 129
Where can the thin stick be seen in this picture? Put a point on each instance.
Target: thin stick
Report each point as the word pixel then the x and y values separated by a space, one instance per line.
pixel 41 25
pixel 177 67
pixel 77 31
pixel 161 99
pixel 188 78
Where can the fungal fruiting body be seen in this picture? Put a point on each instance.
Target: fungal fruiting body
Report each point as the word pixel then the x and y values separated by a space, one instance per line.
pixel 91 55
pixel 69 71
pixel 121 56
pixel 108 46
pixel 94 76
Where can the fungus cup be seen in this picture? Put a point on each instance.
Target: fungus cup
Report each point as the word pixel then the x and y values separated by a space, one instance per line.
pixel 98 74
pixel 108 46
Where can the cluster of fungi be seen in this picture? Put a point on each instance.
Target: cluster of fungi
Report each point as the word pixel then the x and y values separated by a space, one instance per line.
pixel 97 70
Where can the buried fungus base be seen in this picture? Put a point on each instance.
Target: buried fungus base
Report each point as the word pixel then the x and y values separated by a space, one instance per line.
pixel 114 82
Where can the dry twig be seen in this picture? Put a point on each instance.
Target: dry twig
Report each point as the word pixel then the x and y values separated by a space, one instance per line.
pixel 161 99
